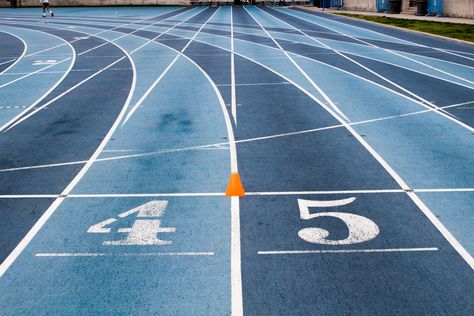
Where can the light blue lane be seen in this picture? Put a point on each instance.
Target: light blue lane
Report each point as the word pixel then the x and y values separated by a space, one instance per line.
pixel 13 100
pixel 455 211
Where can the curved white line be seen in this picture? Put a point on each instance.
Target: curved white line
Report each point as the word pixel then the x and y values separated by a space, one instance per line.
pixel 25 47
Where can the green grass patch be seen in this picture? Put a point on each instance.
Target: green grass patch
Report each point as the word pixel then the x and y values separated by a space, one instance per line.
pixel 453 30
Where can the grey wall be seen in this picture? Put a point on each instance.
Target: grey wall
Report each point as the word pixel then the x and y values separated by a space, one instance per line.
pixel 454 8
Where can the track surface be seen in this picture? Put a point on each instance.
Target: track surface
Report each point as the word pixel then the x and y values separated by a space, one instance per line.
pixel 354 143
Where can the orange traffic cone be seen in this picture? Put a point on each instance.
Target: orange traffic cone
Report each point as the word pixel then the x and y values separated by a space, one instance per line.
pixel 235 187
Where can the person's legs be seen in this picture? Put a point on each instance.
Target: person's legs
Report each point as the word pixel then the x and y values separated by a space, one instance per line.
pixel 44 10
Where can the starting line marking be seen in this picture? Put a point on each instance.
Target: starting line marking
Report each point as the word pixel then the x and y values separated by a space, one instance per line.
pixel 218 194
pixel 293 252
pixel 109 254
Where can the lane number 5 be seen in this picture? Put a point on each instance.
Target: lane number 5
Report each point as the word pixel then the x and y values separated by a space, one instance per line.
pixel 361 229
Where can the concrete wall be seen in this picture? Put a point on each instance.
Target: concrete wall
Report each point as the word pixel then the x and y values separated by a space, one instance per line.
pixel 454 8
pixel 359 5
pixel 459 8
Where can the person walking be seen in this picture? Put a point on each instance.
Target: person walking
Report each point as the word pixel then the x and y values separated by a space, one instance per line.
pixel 45 4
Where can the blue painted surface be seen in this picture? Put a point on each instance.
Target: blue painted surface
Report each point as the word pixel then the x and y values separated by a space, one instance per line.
pixel 154 152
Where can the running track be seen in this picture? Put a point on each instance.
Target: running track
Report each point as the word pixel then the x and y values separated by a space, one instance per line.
pixel 354 143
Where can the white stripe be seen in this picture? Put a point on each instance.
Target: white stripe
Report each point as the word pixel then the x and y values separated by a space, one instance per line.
pixel 220 194
pixel 233 102
pixel 295 252
pixel 111 254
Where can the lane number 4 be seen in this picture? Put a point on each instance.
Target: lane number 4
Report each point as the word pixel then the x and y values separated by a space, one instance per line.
pixel 361 229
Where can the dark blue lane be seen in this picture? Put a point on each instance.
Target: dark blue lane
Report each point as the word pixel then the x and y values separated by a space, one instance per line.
pixel 69 129
pixel 390 283
pixel 17 217
pixel 10 50
pixel 417 38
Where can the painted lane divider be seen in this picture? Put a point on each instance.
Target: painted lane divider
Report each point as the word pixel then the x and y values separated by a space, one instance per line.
pixel 235 187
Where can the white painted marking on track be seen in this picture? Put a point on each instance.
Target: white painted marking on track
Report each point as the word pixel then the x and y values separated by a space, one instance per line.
pixel 233 101
pixel 126 254
pixel 296 252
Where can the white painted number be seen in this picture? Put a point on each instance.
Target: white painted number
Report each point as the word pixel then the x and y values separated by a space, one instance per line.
pixel 361 229
pixel 143 231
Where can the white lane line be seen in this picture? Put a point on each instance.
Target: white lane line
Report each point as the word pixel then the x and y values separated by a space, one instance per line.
pixel 430 104
pixel 222 194
pixel 392 51
pixel 126 254
pixel 311 81
pixel 233 101
pixel 46 215
pixel 254 84
pixel 163 74
pixel 434 220
pixel 25 48
pixel 296 252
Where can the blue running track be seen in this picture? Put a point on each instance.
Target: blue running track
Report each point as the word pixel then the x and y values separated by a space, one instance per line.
pixel 120 127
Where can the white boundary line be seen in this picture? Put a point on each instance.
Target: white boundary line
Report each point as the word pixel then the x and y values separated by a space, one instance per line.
pixel 233 102
pixel 222 194
pixel 25 48
pixel 295 252
pixel 44 218
pixel 126 254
